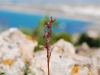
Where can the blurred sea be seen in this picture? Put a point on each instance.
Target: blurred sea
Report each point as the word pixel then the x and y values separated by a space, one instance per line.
pixel 22 20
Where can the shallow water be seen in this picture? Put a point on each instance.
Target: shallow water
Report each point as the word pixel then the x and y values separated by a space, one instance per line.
pixel 22 20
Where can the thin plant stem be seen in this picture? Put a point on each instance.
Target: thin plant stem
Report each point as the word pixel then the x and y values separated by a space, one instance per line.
pixel 47 36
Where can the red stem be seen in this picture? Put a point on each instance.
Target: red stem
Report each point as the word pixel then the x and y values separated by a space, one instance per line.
pixel 48 61
pixel 47 36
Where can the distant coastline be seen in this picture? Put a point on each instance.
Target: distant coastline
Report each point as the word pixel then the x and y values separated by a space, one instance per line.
pixel 57 10
pixel 80 12
pixel 21 20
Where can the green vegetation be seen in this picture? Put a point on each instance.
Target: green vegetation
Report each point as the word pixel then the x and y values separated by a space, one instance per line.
pixel 2 73
pixel 27 31
pixel 27 70
pixel 62 35
pixel 90 41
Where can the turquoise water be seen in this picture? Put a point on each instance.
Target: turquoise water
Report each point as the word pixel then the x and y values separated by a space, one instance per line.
pixel 22 20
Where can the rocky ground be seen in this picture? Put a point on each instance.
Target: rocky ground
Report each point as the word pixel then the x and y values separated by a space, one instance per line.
pixel 16 50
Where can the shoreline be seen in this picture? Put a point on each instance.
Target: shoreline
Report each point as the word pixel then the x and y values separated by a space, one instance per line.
pixel 52 9
pixel 40 14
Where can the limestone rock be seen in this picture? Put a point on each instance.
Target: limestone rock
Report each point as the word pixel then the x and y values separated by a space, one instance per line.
pixel 24 42
pixel 69 64
pixel 83 49
pixel 94 34
pixel 67 49
pixel 16 48
pixel 64 59
pixel 10 58
pixel 60 63
pixel 64 47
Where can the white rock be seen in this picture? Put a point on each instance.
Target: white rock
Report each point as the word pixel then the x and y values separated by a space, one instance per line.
pixel 61 64
pixel 85 45
pixel 64 46
pixel 93 34
pixel 14 46
pixel 22 41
